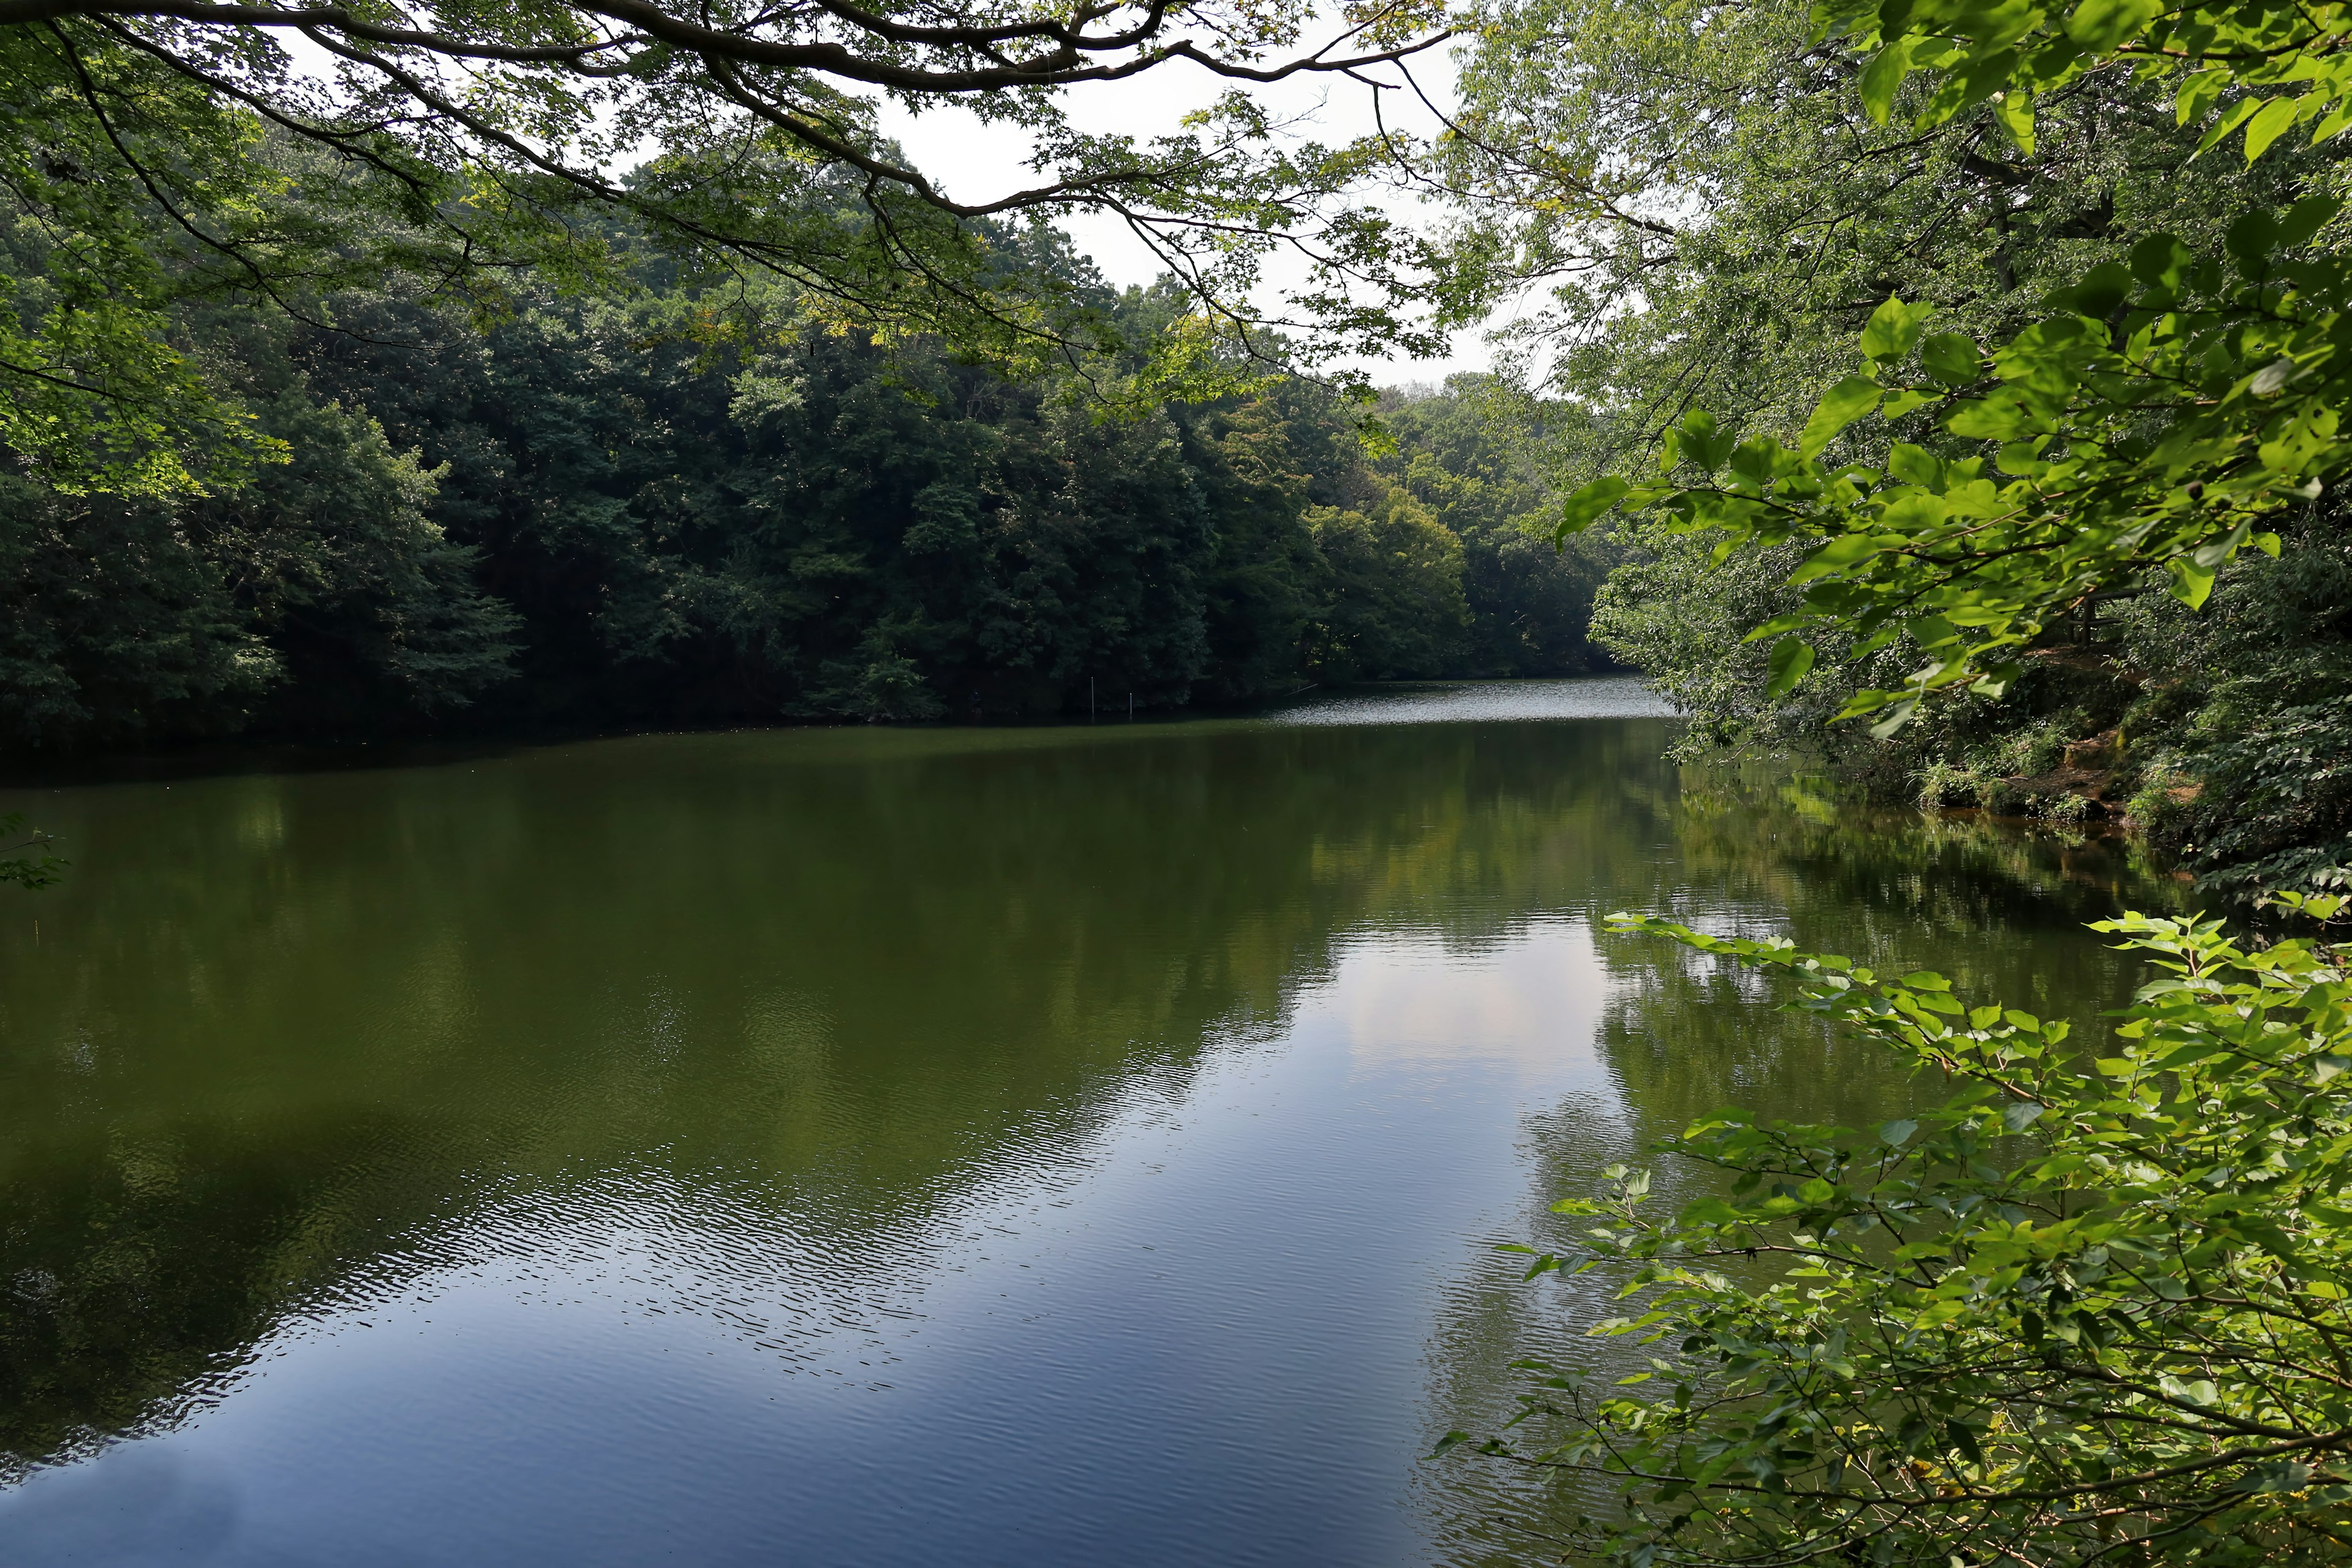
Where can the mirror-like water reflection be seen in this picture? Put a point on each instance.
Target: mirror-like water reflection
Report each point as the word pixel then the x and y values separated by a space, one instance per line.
pixel 1055 1146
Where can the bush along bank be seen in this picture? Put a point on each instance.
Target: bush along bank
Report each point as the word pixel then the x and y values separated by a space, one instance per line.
pixel 2070 1312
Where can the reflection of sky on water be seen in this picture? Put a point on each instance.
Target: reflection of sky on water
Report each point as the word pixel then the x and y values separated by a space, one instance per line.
pixel 1192 1323
pixel 1466 701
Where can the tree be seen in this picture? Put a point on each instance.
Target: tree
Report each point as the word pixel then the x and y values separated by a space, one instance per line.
pixel 153 152
pixel 2161 411
pixel 1471 453
pixel 1396 605
pixel 2064 1317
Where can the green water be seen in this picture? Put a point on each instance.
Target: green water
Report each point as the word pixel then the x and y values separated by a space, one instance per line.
pixel 1063 1146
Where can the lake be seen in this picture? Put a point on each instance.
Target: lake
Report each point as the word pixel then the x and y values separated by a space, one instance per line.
pixel 1044 1146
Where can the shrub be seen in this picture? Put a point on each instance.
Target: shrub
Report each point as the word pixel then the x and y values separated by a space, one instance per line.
pixel 2276 809
pixel 1942 784
pixel 2003 798
pixel 2033 751
pixel 2063 807
pixel 2074 1313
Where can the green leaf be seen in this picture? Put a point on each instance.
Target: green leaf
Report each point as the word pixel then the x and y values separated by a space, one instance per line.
pixel 1883 76
pixel 2098 293
pixel 2306 219
pixel 1996 682
pixel 1952 359
pixel 2216 554
pixel 1839 406
pixel 2100 24
pixel 2191 583
pixel 1931 631
pixel 2013 110
pixel 2197 94
pixel 2251 239
pixel 2332 124
pixel 1897 717
pixel 1703 442
pixel 2161 262
pixel 1893 327
pixel 1580 511
pixel 2020 1114
pixel 2237 115
pixel 1838 554
pixel 1999 417
pixel 1897 1134
pixel 2268 124
pixel 1791 659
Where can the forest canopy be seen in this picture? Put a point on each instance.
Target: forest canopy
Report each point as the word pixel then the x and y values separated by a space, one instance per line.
pixel 615 508
pixel 547 366
pixel 1975 369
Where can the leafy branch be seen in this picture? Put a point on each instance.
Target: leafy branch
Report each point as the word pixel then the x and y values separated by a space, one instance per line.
pixel 2074 1313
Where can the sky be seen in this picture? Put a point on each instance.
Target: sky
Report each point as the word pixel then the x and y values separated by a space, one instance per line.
pixel 972 160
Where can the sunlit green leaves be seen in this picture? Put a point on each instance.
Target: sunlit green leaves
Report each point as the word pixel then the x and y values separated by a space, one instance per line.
pixel 1791 659
pixel 2103 25
pixel 1952 359
pixel 2149 421
pixel 1844 404
pixel 1590 503
pixel 1893 327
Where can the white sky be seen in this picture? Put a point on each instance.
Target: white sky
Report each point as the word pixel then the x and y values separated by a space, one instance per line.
pixel 972 160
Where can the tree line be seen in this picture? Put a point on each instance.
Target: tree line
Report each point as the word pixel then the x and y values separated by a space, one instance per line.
pixel 661 504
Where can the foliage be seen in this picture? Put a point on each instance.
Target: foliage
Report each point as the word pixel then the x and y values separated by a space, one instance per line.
pixel 2239 740
pixel 2177 430
pixel 1471 453
pixel 1397 603
pixel 2280 809
pixel 2063 1316
pixel 150 151
pixel 1755 213
pixel 320 588
pixel 1757 216
pixel 98 398
pixel 2158 413
pixel 2093 342
pixel 687 506
pixel 31 872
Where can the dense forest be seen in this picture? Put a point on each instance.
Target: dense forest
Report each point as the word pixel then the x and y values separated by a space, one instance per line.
pixel 595 512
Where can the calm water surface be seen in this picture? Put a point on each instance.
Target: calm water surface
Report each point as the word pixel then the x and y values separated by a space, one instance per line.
pixel 1071 1146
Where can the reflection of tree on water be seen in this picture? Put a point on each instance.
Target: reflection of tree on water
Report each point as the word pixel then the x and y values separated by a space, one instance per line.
pixel 291 1035
pixel 1999 910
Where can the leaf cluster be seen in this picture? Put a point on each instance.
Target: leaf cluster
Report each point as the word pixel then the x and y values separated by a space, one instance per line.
pixel 31 871
pixel 2155 418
